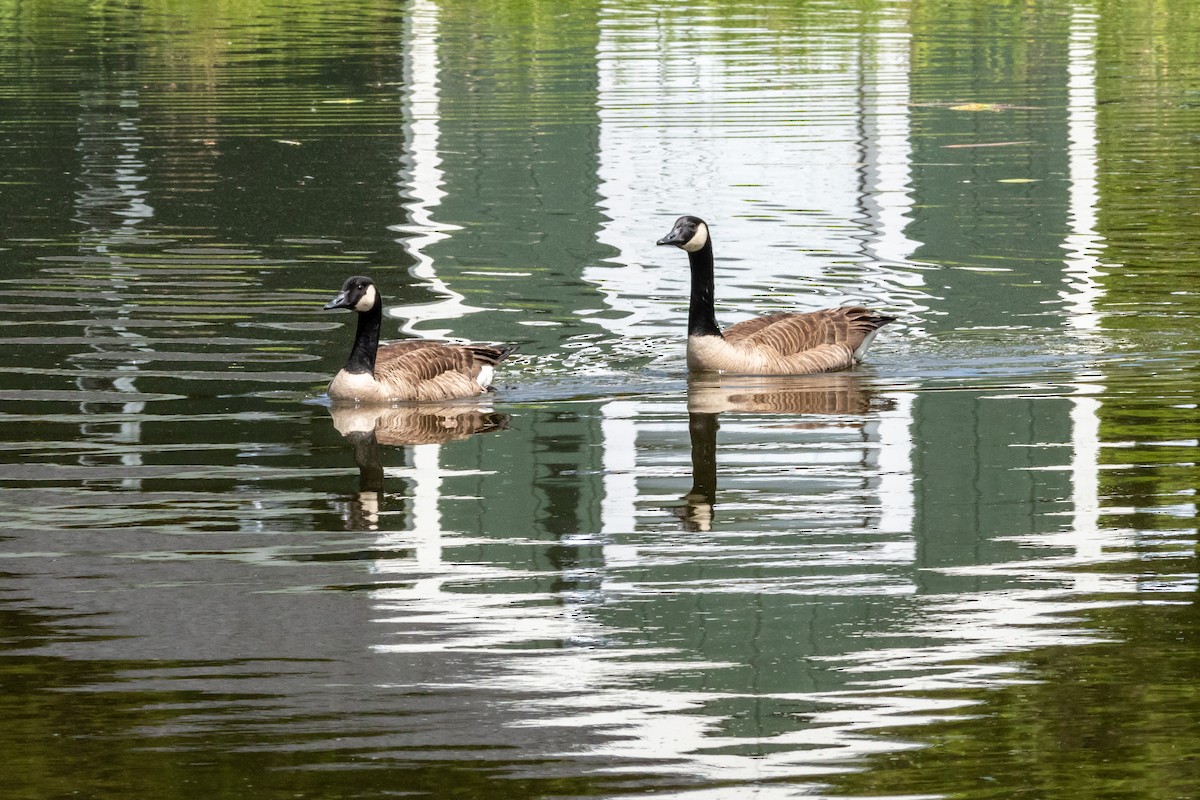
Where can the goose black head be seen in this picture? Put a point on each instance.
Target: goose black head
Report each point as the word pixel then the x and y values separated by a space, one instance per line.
pixel 358 294
pixel 690 234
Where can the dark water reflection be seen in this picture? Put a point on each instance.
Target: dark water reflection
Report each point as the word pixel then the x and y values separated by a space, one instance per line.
pixel 965 569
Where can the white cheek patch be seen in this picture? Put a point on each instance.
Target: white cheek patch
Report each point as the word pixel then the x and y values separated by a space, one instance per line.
pixel 698 240
pixel 367 301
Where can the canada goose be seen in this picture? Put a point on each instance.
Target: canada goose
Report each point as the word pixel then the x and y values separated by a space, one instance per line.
pixel 775 344
pixel 417 369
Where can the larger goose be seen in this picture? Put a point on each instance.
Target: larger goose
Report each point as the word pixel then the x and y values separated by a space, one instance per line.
pixel 777 344
pixel 417 369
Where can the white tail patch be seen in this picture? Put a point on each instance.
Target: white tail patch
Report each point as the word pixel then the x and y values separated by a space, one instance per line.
pixel 862 348
pixel 485 375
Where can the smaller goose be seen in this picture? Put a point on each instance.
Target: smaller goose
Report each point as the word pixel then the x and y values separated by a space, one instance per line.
pixel 417 369
pixel 776 344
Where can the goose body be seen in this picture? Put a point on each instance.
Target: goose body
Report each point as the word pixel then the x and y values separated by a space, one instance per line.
pixel 414 370
pixel 776 344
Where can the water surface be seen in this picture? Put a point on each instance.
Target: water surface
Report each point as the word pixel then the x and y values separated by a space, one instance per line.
pixel 964 569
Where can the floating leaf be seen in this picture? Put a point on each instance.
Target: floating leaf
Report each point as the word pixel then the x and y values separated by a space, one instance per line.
pixel 978 107
pixel 288 141
pixel 1018 180
pixel 344 101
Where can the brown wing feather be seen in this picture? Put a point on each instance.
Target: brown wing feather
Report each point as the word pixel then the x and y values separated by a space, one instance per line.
pixel 391 350
pixel 747 328
pixel 491 355
pixel 487 354
pixel 414 365
pixel 428 370
pixel 790 334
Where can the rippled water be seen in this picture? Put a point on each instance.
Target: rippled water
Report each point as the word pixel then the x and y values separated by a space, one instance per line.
pixel 965 569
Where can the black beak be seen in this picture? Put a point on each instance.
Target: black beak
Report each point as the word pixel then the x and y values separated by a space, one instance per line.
pixel 341 301
pixel 676 237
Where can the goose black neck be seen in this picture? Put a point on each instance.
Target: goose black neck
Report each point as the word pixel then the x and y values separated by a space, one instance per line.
pixel 366 340
pixel 702 318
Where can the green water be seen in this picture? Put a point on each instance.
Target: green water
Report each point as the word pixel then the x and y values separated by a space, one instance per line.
pixel 965 569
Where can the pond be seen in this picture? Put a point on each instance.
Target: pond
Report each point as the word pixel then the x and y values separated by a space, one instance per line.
pixel 966 568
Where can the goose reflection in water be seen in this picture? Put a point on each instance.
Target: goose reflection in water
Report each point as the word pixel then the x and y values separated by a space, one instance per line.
pixel 799 396
pixel 368 427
